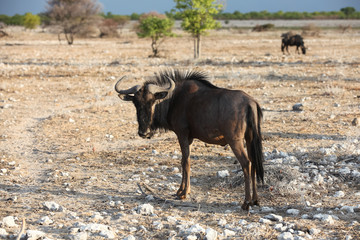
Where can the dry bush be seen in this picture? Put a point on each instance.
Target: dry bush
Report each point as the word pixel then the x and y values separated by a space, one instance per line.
pixel 74 17
pixel 152 14
pixel 332 90
pixel 3 34
pixel 345 28
pixel 311 30
pixel 121 20
pixel 262 28
pixel 2 25
pixel 89 31
pixel 108 28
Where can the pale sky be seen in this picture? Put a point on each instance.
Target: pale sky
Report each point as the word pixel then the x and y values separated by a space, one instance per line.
pixel 126 7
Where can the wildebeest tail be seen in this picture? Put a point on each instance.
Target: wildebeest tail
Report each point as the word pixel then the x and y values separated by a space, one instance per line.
pixel 255 152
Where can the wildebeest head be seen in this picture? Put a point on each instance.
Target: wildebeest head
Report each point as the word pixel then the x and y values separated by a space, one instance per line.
pixel 145 98
pixel 303 49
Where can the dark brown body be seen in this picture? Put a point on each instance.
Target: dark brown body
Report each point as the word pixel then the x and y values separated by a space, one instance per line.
pixel 292 40
pixel 195 108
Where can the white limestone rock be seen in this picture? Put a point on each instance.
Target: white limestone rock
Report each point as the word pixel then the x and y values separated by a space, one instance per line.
pixel 223 174
pixel 53 206
pixel 194 229
pixel 211 234
pixel 339 194
pixel 35 234
pixel 9 221
pixel 293 211
pixel 325 218
pixel 45 221
pixel 145 209
pixel 101 230
pixel 79 236
pixel 3 233
pixel 285 236
pixel 274 217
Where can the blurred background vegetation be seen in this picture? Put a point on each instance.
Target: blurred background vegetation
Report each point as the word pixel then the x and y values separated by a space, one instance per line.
pixel 344 13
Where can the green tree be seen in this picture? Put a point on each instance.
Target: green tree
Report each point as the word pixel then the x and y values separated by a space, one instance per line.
pixel 348 11
pixel 134 16
pixel 31 21
pixel 157 27
pixel 198 17
pixel 17 19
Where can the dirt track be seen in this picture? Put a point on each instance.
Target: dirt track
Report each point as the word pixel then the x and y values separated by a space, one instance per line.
pixel 66 137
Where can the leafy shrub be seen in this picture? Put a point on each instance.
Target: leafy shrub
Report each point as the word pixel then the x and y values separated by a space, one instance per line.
pixel 31 21
pixel 17 19
pixel 155 26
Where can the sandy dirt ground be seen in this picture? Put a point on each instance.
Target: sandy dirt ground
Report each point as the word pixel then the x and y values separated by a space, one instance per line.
pixel 66 137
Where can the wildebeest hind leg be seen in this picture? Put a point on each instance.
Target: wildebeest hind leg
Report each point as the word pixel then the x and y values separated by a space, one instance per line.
pixel 254 200
pixel 239 151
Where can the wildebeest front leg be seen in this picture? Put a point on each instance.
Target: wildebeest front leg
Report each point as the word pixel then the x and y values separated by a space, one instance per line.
pixel 184 188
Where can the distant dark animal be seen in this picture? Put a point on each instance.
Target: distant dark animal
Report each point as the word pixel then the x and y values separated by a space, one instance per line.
pixel 292 40
pixel 189 105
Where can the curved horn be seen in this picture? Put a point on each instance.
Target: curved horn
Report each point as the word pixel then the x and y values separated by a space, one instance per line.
pixel 128 91
pixel 117 84
pixel 155 88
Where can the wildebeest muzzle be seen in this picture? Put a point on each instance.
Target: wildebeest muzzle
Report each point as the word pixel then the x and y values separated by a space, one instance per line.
pixel 147 134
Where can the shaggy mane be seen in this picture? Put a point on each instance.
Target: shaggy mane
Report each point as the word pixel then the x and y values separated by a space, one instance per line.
pixel 162 108
pixel 180 76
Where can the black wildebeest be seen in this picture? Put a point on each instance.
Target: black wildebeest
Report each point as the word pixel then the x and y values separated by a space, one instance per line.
pixel 188 104
pixel 292 40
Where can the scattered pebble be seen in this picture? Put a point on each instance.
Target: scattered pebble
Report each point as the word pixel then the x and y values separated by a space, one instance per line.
pixel 297 107
pixel 35 234
pixel 45 221
pixel 9 221
pixel 97 229
pixel 285 236
pixel 145 209
pixel 339 194
pixel 211 234
pixel 274 217
pixel 293 211
pixel 3 233
pixel 223 174
pixel 53 206
pixel 325 218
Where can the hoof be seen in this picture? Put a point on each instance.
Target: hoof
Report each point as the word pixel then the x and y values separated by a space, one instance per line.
pixel 245 206
pixel 256 202
pixel 181 194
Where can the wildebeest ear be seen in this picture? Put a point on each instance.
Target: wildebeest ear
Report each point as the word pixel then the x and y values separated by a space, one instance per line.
pixel 126 97
pixel 160 95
